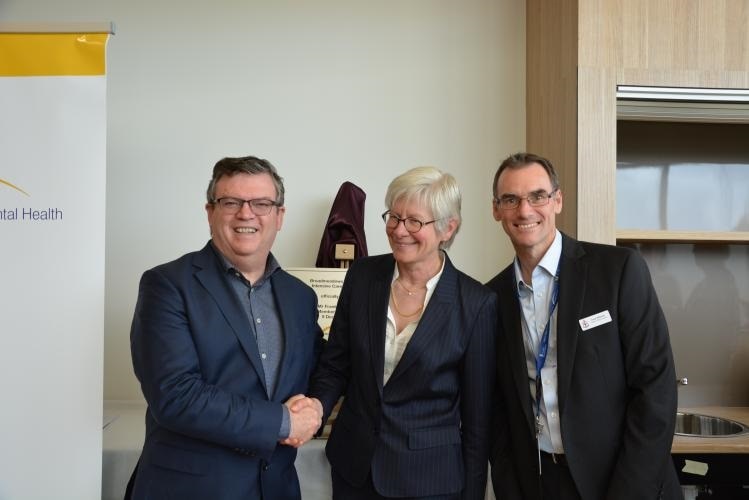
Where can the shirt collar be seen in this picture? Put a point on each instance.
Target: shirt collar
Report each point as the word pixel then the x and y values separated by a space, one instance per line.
pixel 549 262
pixel 271 266
pixel 432 281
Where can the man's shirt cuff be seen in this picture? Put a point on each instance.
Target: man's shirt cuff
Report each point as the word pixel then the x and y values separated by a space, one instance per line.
pixel 283 433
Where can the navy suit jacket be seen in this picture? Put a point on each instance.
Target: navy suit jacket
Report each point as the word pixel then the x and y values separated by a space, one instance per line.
pixel 211 428
pixel 616 382
pixel 426 432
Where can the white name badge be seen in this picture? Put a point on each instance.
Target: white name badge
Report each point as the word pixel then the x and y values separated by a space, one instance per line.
pixel 595 320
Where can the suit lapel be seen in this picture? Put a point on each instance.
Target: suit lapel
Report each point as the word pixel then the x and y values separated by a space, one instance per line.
pixel 572 279
pixel 379 292
pixel 212 276
pixel 433 320
pixel 513 331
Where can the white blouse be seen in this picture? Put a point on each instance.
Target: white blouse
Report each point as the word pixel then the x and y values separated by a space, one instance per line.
pixel 395 344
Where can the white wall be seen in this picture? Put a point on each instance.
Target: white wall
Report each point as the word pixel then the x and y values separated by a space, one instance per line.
pixel 328 91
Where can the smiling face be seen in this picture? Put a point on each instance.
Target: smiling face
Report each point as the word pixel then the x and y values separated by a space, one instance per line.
pixel 243 237
pixel 531 229
pixel 422 247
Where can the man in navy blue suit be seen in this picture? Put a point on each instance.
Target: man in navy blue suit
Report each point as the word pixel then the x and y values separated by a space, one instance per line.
pixel 223 341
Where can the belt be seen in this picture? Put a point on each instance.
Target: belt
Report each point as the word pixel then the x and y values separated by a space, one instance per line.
pixel 557 458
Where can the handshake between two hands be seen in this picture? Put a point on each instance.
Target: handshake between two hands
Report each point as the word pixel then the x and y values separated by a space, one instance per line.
pixel 306 419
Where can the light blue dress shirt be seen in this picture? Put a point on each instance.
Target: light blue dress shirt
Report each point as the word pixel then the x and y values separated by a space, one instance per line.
pixel 535 299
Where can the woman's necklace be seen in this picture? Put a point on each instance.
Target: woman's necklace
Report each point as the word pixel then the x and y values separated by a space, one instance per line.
pixel 395 303
pixel 409 292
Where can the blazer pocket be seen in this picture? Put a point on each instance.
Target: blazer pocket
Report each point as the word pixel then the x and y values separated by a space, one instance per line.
pixel 180 459
pixel 432 437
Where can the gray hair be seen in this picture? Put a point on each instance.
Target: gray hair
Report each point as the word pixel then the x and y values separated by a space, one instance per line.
pixel 435 190
pixel 228 167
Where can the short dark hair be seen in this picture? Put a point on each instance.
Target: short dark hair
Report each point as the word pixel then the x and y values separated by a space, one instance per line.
pixel 520 160
pixel 245 165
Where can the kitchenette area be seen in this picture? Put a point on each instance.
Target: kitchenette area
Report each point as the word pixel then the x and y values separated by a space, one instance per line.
pixel 711 452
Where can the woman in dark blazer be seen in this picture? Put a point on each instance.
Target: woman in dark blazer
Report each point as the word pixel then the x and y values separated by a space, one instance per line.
pixel 411 349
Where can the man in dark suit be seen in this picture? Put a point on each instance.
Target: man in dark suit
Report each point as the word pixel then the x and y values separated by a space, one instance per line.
pixel 221 338
pixel 585 366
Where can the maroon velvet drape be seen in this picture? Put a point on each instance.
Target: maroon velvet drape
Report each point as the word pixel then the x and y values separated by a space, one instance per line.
pixel 345 225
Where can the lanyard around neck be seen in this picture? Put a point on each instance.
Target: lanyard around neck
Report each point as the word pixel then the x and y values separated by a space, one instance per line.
pixel 544 346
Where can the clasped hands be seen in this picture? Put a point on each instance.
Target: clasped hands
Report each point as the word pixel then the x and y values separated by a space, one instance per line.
pixel 306 419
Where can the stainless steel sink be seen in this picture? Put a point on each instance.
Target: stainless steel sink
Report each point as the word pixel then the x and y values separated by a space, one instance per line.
pixel 694 424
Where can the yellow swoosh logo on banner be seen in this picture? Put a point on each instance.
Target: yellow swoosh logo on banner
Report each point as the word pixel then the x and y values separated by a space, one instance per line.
pixel 2 181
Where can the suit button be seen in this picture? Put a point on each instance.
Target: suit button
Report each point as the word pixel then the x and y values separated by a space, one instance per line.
pixel 266 467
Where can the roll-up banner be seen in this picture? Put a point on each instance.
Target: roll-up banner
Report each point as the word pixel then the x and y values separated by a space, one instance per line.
pixel 52 213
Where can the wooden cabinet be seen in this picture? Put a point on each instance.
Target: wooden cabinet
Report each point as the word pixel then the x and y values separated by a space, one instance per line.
pixel 578 51
pixel 682 181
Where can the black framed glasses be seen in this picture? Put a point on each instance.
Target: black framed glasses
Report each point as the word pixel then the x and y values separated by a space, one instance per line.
pixel 258 206
pixel 412 225
pixel 535 199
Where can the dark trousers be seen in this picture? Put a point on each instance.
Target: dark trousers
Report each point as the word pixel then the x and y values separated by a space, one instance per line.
pixel 556 480
pixel 131 482
pixel 342 490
